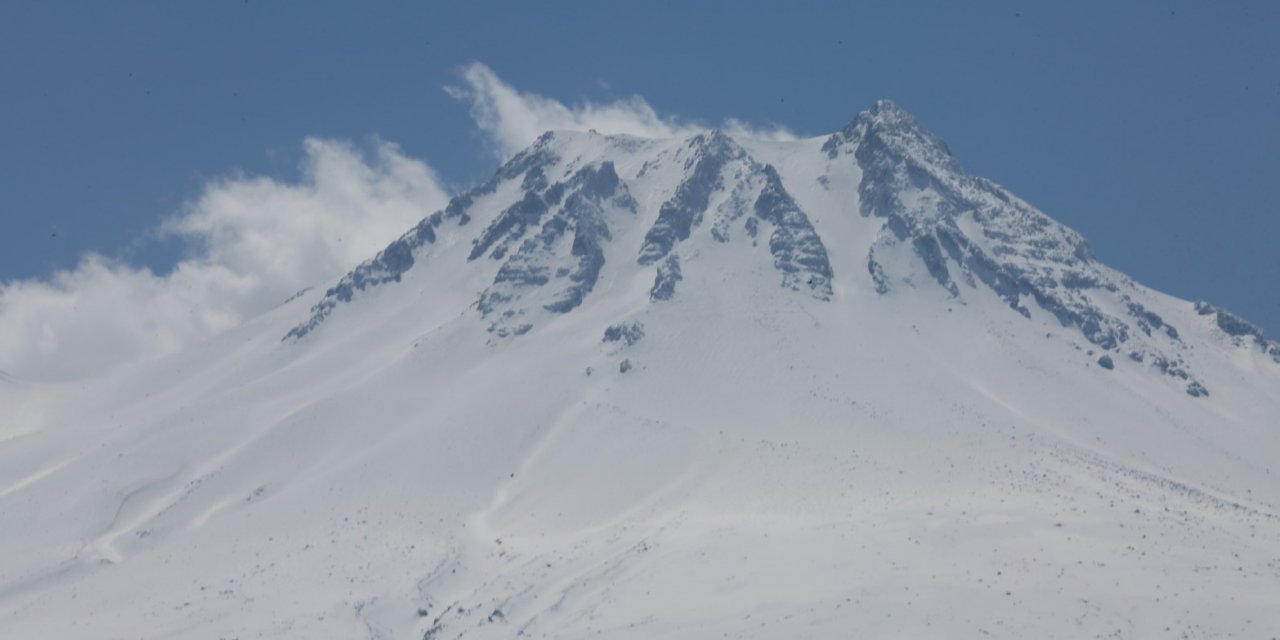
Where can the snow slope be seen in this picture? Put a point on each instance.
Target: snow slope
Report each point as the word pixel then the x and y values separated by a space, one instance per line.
pixel 712 387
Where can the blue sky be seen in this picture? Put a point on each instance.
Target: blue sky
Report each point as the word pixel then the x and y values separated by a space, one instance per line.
pixel 1150 127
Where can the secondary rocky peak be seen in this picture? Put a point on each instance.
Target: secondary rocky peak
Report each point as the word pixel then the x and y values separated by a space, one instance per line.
pixel 974 238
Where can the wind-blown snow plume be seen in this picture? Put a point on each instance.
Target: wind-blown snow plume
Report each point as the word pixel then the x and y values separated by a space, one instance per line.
pixel 257 241
pixel 513 119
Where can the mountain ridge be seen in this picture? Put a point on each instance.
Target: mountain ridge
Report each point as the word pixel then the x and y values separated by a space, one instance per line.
pixel 548 410
pixel 956 224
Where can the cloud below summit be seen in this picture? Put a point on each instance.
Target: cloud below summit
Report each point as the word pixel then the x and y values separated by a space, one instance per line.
pixel 258 240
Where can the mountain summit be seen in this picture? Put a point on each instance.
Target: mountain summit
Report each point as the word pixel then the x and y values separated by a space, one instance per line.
pixel 559 201
pixel 674 388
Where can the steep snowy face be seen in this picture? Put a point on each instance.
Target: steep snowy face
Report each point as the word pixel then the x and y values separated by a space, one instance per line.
pixel 751 194
pixel 560 263
pixel 955 221
pixel 548 220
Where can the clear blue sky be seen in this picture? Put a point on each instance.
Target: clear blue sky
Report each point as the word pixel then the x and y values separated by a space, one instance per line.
pixel 1151 127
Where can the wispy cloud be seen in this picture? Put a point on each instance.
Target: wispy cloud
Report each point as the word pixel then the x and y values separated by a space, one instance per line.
pixel 514 119
pixel 258 241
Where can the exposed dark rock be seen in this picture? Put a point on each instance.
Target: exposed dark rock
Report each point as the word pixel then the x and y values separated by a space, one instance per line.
pixel 1232 324
pixel 1169 368
pixel 520 273
pixel 399 256
pixel 628 332
pixel 511 224
pixel 679 215
pixel 877 273
pixel 927 248
pixel 1237 327
pixel 540 259
pixel 534 180
pixel 797 250
pixel 910 179
pixel 1149 320
pixel 388 266
pixel 664 282
pixel 966 233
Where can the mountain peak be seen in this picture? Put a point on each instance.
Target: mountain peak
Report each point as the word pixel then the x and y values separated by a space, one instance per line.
pixel 577 209
pixel 692 368
pixel 887 129
pixel 885 110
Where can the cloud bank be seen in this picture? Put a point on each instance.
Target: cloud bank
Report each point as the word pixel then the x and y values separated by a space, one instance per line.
pixel 260 240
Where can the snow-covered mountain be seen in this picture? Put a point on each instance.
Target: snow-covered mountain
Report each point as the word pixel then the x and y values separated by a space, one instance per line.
pixel 684 388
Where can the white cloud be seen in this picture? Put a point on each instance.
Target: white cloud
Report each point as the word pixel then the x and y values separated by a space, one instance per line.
pixel 514 119
pixel 259 240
